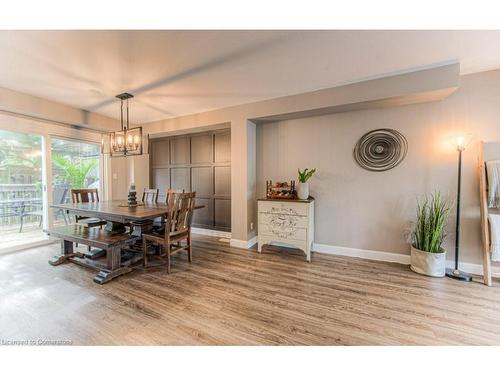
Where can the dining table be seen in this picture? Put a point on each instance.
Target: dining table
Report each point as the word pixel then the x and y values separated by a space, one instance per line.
pixel 118 213
pixel 111 239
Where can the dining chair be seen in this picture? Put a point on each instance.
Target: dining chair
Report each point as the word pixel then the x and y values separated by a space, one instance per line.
pixel 86 196
pixel 150 195
pixel 59 195
pixel 172 191
pixel 160 221
pixel 177 229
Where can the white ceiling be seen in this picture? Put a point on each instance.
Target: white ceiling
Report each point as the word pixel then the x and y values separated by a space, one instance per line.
pixel 174 73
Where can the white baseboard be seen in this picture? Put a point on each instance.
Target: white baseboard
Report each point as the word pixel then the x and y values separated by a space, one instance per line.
pixel 252 242
pixel 211 232
pixel 242 244
pixel 476 269
pixel 360 253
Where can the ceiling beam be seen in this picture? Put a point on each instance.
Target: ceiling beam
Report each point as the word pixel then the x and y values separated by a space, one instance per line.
pixel 18 104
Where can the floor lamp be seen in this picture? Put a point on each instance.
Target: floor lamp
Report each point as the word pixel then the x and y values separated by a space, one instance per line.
pixel 456 273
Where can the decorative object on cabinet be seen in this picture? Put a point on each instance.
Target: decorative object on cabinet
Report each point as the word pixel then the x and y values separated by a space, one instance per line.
pixel 288 222
pixel 281 190
pixel 380 150
pixel 427 255
pixel 304 176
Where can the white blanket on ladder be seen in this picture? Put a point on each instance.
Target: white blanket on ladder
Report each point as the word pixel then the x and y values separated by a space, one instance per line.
pixel 494 220
pixel 493 173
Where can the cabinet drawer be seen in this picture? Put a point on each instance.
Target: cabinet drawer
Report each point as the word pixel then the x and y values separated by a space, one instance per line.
pixel 284 208
pixel 286 233
pixel 283 220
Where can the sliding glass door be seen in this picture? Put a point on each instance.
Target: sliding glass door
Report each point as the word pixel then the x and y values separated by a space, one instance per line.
pixel 21 190
pixel 75 165
pixel 37 170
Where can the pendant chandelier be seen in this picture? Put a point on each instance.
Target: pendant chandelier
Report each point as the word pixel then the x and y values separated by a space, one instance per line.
pixel 127 141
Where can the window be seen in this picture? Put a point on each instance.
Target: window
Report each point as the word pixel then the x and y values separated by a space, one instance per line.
pixel 21 197
pixel 75 165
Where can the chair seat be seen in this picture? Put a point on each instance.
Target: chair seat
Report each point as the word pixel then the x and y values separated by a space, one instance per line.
pixel 158 222
pixel 91 222
pixel 160 237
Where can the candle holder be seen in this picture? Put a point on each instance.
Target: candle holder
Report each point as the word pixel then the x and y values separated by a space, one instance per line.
pixel 132 196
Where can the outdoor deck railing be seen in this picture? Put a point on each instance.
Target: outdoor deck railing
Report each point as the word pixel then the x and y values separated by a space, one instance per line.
pixel 17 200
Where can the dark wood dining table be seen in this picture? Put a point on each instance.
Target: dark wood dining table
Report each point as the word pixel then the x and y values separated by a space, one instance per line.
pixel 118 216
pixel 117 213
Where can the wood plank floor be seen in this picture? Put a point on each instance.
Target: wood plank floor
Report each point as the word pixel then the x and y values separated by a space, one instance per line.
pixel 230 296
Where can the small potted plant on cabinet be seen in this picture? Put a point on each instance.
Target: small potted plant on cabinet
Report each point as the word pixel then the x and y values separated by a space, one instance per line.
pixel 427 255
pixel 303 187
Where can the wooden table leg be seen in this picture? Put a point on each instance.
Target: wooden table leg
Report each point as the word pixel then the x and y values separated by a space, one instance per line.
pixel 113 265
pixel 115 227
pixel 66 253
pixel 140 227
pixel 113 258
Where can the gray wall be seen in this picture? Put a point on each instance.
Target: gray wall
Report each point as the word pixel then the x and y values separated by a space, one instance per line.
pixel 198 162
pixel 367 210
pixel 428 84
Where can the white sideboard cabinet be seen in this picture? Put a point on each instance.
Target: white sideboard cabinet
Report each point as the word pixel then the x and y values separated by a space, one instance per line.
pixel 289 222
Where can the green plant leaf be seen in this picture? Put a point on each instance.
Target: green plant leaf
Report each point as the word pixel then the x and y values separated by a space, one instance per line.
pixel 432 216
pixel 306 174
pixel 75 172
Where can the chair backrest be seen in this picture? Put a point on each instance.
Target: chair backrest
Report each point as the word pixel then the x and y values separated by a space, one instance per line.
pixel 150 195
pixel 170 193
pixel 180 213
pixel 84 195
pixel 59 193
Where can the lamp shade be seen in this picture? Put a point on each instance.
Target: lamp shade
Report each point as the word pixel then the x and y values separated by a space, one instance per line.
pixel 462 141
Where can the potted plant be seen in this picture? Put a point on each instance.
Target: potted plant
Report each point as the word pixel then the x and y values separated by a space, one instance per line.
pixel 303 187
pixel 427 255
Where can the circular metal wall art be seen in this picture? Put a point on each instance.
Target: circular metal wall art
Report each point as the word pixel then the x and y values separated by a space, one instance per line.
pixel 380 150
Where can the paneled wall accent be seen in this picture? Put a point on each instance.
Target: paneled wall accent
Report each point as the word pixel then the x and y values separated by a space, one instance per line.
pixel 198 162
